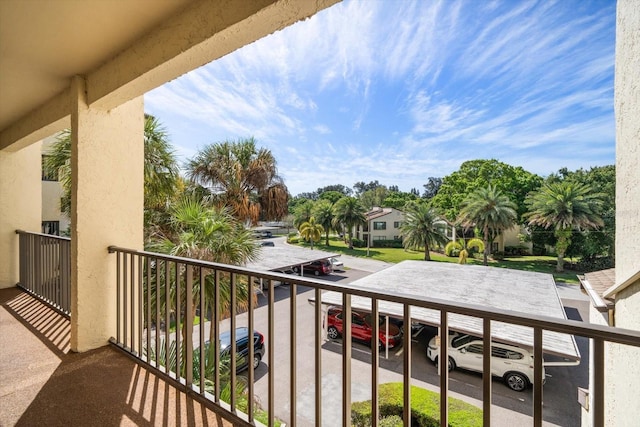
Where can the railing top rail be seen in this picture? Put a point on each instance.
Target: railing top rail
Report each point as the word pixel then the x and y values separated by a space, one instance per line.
pixel 52 236
pixel 574 327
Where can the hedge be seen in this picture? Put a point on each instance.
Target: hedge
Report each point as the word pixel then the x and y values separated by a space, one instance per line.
pixel 425 408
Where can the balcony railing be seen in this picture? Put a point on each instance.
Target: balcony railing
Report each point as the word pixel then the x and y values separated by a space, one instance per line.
pixel 155 290
pixel 171 310
pixel 45 268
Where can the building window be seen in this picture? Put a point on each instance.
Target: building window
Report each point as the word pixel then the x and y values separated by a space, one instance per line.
pixel 494 247
pixel 48 175
pixel 397 238
pixel 379 238
pixel 51 227
pixel 379 225
pixel 397 224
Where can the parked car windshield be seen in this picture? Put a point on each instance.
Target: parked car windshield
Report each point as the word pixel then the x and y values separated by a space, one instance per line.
pixel 462 340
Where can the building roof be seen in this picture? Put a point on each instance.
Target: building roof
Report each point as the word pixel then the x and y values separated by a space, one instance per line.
pixel 498 288
pixel 595 284
pixel 274 258
pixel 378 212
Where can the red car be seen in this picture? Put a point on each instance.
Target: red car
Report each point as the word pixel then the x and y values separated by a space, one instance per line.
pixel 361 328
pixel 316 267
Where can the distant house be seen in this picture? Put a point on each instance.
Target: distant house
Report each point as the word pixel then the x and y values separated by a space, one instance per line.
pixel 510 238
pixel 53 220
pixel 381 224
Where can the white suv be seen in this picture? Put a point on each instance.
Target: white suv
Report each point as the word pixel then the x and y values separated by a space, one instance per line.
pixel 513 364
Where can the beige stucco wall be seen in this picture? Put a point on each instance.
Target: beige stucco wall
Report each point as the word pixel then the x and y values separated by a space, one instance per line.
pixel 20 205
pixel 622 407
pixel 107 166
pixel 389 219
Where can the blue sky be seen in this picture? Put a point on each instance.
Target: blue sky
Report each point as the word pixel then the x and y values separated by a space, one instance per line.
pixel 398 91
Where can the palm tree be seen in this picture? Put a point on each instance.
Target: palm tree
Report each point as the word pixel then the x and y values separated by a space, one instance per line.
pixel 463 245
pixel 565 206
pixel 210 234
pixel 323 213
pixel 303 212
pixel 489 210
pixel 242 177
pixel 422 228
pixel 349 212
pixel 161 174
pixel 311 230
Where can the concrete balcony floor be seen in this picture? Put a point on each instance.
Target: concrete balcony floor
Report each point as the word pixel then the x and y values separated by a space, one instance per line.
pixel 44 383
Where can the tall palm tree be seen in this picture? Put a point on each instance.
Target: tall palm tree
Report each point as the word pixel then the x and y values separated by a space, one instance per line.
pixel 565 206
pixel 349 212
pixel 422 228
pixel 311 230
pixel 302 213
pixel 323 213
pixel 161 173
pixel 489 210
pixel 243 177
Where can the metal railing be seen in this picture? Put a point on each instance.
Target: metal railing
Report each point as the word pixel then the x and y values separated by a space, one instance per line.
pixel 158 297
pixel 45 268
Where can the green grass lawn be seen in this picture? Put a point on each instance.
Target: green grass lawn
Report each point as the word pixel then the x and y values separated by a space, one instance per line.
pixel 540 264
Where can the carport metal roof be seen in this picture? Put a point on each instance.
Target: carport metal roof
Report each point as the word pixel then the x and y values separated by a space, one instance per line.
pixel 498 288
pixel 282 257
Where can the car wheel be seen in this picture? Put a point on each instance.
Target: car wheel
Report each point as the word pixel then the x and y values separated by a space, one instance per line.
pixel 452 364
pixel 333 333
pixel 516 381
pixel 296 269
pixel 256 360
pixel 317 273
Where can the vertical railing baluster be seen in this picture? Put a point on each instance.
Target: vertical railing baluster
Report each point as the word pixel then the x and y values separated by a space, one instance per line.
pixel 271 355
pixel 346 360
pixel 178 322
pixel 167 319
pixel 406 352
pixel 232 341
pixel 188 339
pixel 125 307
pixel 148 302
pixel 203 319
pixel 132 289
pixel 443 365
pixel 375 361
pixel 158 318
pixel 251 346
pixel 118 298
pixel 293 345
pixel 318 355
pixel 598 382
pixel 486 371
pixel 215 323
pixel 140 291
pixel 537 377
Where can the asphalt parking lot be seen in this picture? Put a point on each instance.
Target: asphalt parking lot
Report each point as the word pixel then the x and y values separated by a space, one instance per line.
pixel 561 407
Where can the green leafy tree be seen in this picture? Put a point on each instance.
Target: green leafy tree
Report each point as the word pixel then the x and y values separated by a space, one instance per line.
pixel 474 174
pixel 331 196
pixel 349 213
pixel 374 197
pixel 564 206
pixel 323 213
pixel 422 228
pixel 489 210
pixel 303 213
pixel 242 177
pixel 398 199
pixel 311 231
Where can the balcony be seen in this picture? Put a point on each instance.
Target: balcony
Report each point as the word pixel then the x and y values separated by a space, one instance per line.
pixel 127 383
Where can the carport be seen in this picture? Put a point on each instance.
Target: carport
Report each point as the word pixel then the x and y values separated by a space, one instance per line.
pixel 281 258
pixel 498 288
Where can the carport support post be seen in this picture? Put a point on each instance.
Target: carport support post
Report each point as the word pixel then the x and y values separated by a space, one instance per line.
pixel 386 333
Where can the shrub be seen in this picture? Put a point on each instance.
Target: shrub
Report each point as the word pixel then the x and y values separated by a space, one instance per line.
pixel 452 249
pixel 293 240
pixel 357 243
pixel 387 244
pixel 594 264
pixel 498 256
pixel 425 408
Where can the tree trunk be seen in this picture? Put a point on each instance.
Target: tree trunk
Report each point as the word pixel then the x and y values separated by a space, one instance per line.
pixel 486 245
pixel 427 255
pixel 560 264
pixel 350 240
pixel 327 238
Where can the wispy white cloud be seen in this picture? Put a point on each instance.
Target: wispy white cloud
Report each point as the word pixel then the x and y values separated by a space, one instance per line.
pixel 400 91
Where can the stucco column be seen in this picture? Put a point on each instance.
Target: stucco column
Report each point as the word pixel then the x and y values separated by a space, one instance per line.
pixel 20 205
pixel 107 160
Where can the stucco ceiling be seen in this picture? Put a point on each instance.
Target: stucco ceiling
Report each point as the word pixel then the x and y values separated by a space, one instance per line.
pixel 43 43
